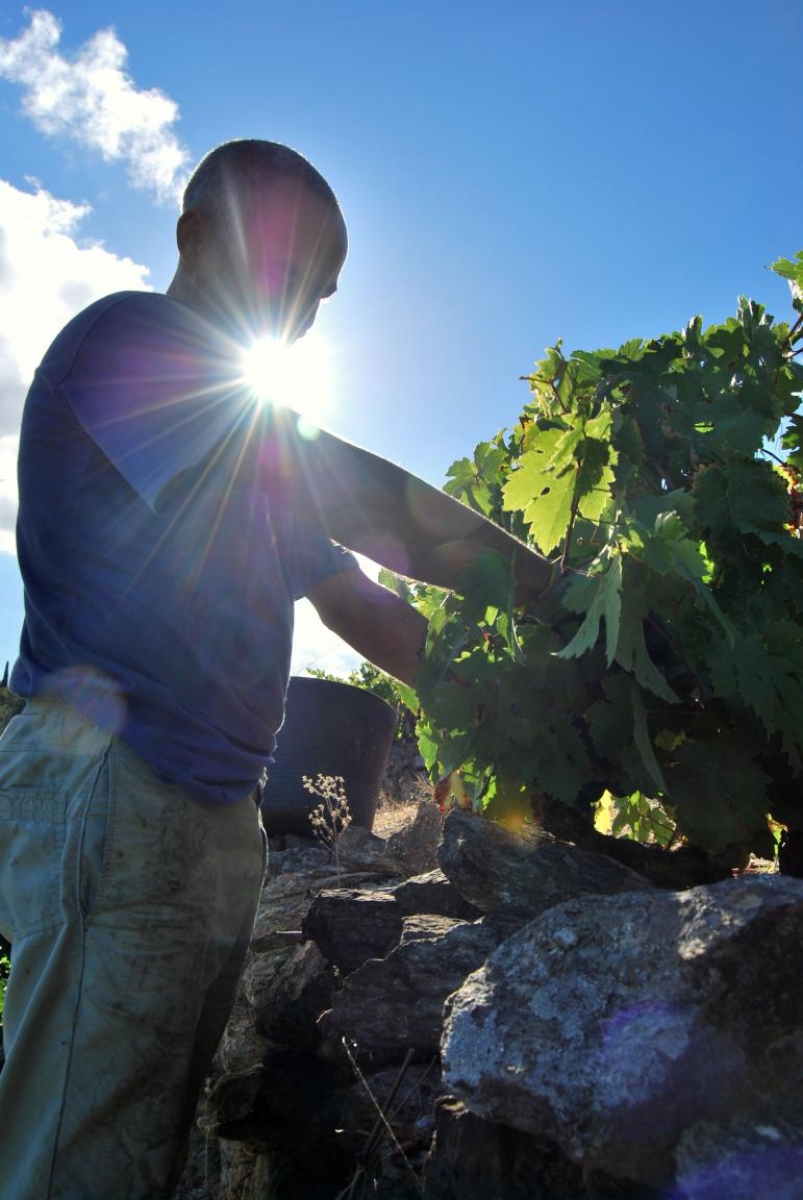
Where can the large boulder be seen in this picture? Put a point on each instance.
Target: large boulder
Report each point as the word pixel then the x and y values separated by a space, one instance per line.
pixel 617 1026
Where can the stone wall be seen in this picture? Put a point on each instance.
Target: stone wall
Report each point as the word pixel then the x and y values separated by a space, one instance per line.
pixel 464 1012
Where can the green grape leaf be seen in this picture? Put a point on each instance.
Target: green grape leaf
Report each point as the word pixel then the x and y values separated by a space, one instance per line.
pixel 593 456
pixel 454 707
pixel 744 496
pixel 724 421
pixel 543 487
pixel 669 548
pixel 549 513
pixel 485 583
pixel 596 477
pixel 641 735
pixel 788 269
pixel 769 677
pixel 598 596
pixel 631 647
pixel 627 438
pixel 718 792
pixel 427 746
pixel 408 695
pixel 793 273
pixel 610 726
pixel 477 481
pixel 561 764
pixel 395 583
pixel 647 509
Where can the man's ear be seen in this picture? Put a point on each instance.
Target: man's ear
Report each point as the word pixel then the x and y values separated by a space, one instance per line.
pixel 190 236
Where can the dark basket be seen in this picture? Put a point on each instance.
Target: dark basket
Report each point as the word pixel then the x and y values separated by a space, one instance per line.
pixel 329 729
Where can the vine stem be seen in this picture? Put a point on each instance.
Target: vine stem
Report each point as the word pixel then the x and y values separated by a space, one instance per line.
pixel 563 408
pixel 782 461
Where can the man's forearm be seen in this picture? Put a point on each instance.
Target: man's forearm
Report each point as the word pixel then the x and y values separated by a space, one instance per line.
pixel 374 622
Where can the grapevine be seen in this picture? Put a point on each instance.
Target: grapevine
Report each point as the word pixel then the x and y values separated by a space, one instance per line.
pixel 663 671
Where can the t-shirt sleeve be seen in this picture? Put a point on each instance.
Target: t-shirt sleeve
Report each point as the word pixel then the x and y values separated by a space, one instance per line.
pixel 156 389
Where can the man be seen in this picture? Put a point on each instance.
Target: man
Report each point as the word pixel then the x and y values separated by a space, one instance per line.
pixel 167 524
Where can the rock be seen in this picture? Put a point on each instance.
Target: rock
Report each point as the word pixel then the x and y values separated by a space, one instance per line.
pixel 473 1158
pixel 433 893
pixel 390 1004
pixel 358 852
pixel 241 1047
pixel 284 901
pixel 284 985
pixel 415 846
pixel 361 850
pixel 350 926
pixel 286 991
pixel 287 854
pixel 610 1039
pixel 526 873
pixel 427 927
pixel 614 1024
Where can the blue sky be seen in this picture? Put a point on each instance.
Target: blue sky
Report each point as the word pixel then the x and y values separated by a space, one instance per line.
pixel 511 173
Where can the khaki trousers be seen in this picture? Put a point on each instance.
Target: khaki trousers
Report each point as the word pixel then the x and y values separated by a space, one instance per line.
pixel 129 908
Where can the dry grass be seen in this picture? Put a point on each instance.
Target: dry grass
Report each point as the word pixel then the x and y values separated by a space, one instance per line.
pixel 404 789
pixel 394 815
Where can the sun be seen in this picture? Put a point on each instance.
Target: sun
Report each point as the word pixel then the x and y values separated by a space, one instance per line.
pixel 298 376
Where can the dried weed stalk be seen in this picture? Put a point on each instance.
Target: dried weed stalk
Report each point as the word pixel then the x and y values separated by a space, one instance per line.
pixel 332 815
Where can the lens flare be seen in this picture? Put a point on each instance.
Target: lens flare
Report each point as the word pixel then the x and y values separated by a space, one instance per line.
pixel 298 376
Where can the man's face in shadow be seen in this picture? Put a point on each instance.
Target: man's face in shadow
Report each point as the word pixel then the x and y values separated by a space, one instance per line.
pixel 276 257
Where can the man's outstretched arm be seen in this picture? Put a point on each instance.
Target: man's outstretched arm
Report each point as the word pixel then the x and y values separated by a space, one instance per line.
pixel 394 518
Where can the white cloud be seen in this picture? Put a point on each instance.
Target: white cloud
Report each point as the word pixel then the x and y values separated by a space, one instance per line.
pixel 46 277
pixel 93 100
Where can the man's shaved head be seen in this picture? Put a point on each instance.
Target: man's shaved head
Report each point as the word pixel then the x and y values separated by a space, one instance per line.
pixel 261 240
pixel 228 181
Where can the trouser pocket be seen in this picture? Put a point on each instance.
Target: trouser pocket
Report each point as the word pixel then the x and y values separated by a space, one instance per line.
pixel 53 823
pixel 31 850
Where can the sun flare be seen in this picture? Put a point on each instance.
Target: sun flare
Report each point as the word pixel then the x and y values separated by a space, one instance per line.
pixel 298 375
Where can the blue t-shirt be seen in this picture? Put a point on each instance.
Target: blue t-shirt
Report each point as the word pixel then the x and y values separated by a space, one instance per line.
pixel 160 565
